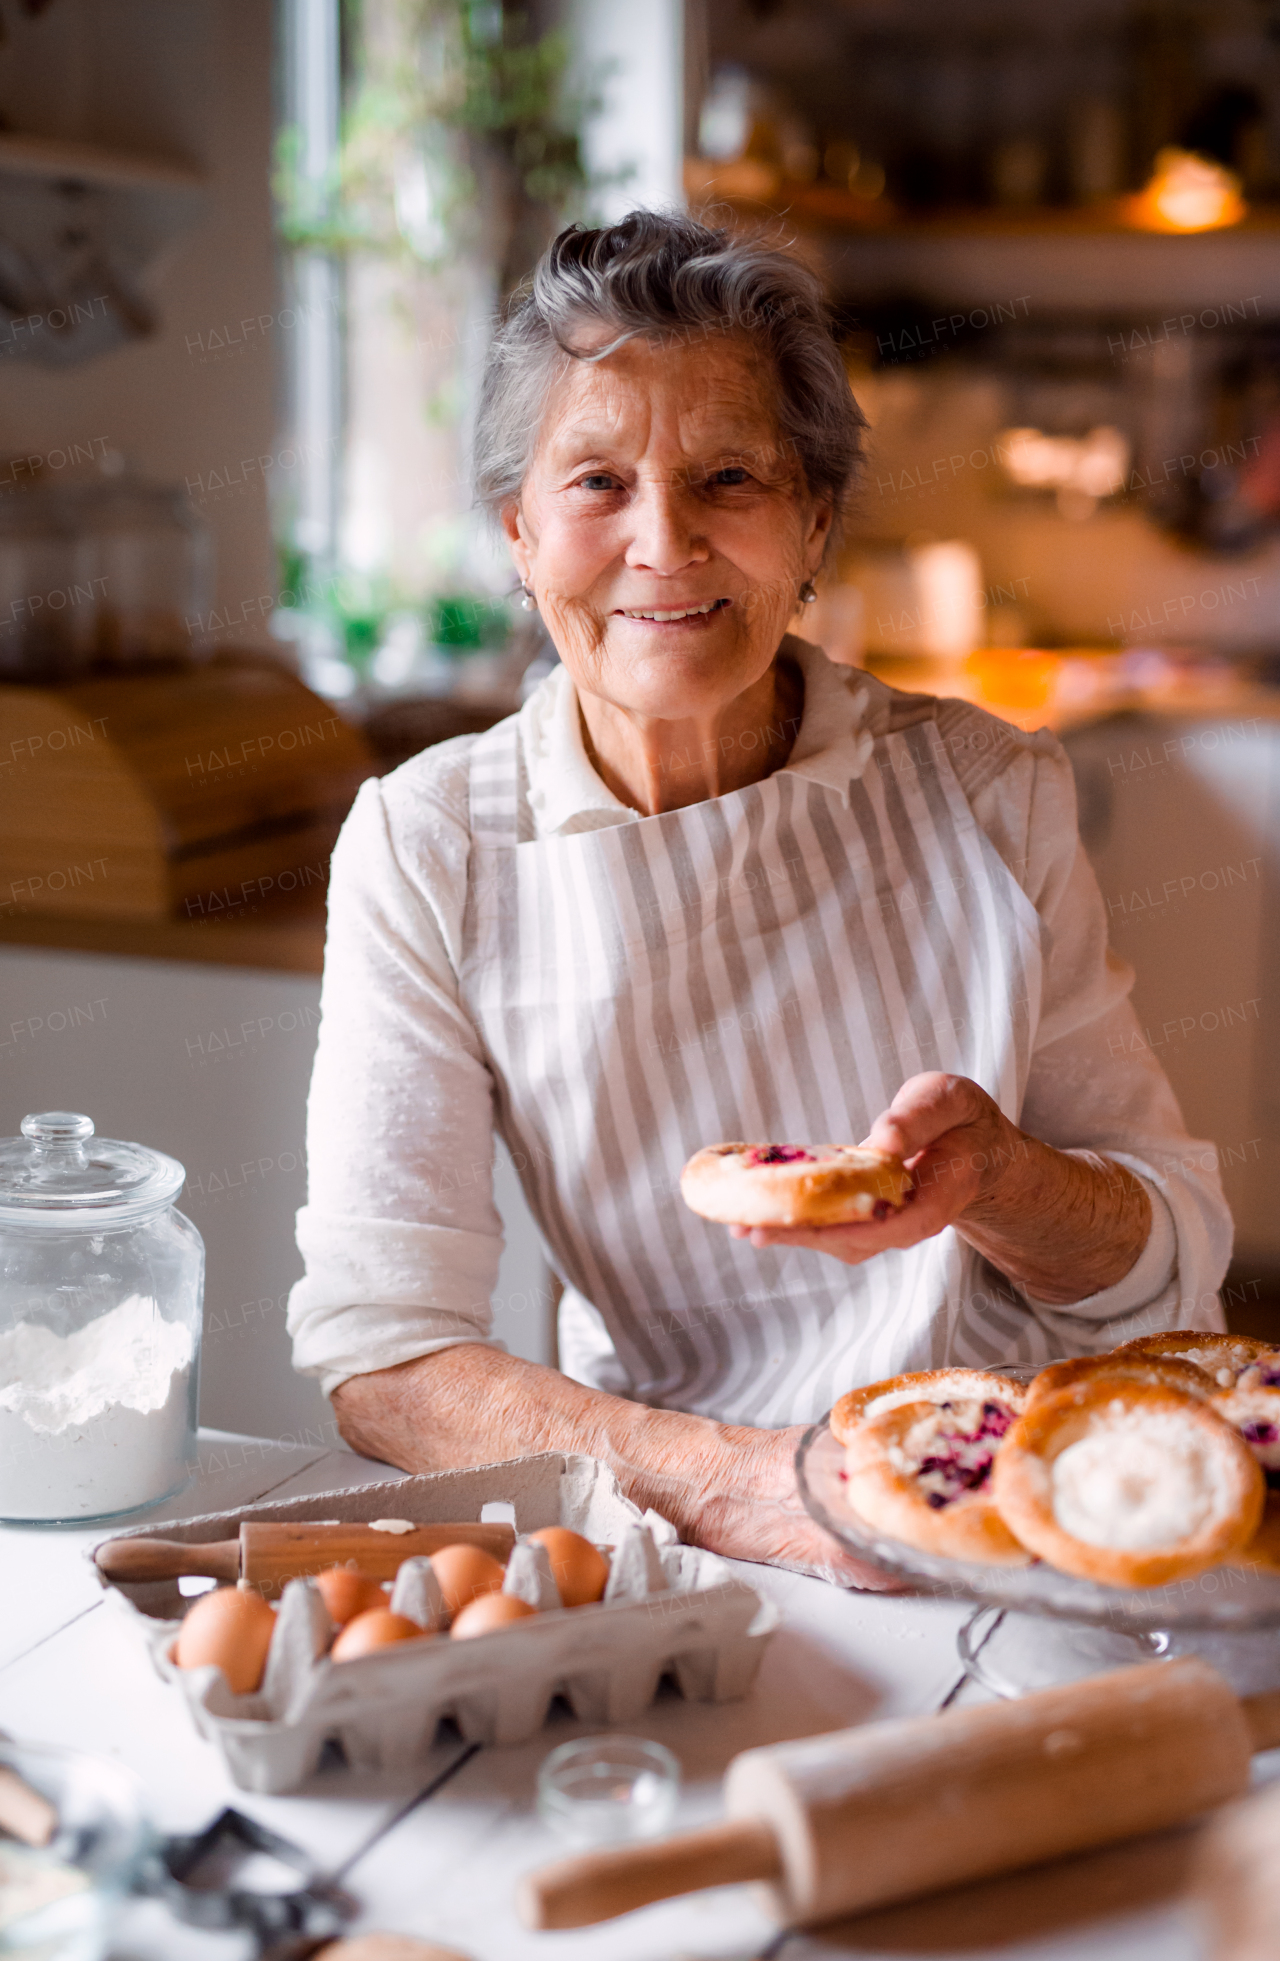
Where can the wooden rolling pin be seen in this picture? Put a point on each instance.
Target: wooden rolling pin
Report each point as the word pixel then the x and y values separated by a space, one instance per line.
pixel 1236 1879
pixel 865 1817
pixel 268 1556
pixel 25 1813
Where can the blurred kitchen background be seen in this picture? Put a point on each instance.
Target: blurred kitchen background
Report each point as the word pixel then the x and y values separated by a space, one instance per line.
pixel 250 254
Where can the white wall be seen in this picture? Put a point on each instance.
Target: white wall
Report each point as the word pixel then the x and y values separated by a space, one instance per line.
pixel 212 1064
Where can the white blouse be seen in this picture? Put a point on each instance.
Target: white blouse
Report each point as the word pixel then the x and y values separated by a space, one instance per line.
pixel 400 1235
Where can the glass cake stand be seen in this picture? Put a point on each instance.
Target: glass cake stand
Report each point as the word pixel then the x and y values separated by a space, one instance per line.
pixel 1034 1626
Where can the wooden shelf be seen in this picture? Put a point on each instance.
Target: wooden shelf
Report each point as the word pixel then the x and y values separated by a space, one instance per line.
pixel 89 163
pixel 287 937
pixel 756 192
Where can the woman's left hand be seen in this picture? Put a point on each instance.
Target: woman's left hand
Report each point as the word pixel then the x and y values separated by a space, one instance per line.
pixel 955 1141
pixel 1061 1226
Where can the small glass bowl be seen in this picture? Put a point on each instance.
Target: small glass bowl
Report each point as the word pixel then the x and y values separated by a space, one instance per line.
pixel 604 1790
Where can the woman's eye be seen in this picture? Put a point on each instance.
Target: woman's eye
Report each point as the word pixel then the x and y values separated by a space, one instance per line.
pixel 599 480
pixel 730 478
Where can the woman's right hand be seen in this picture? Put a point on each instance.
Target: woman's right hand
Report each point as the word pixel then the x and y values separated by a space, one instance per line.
pixel 723 1486
pixel 734 1492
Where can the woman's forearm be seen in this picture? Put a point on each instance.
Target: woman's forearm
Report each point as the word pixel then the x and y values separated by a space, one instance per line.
pixel 1063 1227
pixel 724 1486
pixel 475 1405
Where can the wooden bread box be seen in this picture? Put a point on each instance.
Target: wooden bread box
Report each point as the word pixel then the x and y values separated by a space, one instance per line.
pixel 186 792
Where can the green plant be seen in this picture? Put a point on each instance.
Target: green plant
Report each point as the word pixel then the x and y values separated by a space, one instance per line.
pixel 293 569
pixel 466 624
pixel 459 149
pixel 357 606
pixel 460 131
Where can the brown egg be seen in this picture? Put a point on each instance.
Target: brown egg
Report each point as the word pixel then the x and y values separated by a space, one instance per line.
pixel 580 1571
pixel 229 1629
pixel 464 1573
pixel 378 1628
pixel 490 1611
pixel 346 1593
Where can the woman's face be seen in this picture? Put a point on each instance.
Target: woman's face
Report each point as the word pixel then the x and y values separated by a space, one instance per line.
pixel 660 487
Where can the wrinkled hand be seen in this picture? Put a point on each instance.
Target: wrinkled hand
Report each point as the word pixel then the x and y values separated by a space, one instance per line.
pixel 735 1493
pixel 769 1524
pixel 958 1146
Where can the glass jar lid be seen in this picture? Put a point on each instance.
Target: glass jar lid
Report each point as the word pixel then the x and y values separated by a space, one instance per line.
pixel 54 1176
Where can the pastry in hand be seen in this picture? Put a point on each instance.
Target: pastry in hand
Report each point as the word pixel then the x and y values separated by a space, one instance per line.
pixel 1158 1371
pixel 784 1185
pixel 1223 1357
pixel 924 1386
pixel 1128 1483
pixel 921 1472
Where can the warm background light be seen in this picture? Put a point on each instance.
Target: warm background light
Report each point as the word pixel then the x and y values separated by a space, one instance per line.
pixel 1188 193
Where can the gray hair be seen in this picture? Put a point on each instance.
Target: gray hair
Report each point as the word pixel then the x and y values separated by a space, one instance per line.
pixel 655 273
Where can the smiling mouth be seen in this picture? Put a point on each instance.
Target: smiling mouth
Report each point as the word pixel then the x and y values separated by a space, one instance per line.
pixel 680 613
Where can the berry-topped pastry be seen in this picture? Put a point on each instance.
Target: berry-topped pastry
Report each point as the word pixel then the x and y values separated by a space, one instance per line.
pixel 921 1472
pixel 1252 1408
pixel 1223 1357
pixel 1128 1483
pixel 924 1386
pixel 793 1184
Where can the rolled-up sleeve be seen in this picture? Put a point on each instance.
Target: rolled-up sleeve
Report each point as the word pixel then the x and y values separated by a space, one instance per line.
pixel 1094 1084
pixel 399 1234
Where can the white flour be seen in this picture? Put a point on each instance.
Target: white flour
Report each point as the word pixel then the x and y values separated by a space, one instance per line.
pixel 96 1421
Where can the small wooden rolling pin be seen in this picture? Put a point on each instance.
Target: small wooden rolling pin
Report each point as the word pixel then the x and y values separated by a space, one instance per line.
pixel 269 1556
pixel 865 1817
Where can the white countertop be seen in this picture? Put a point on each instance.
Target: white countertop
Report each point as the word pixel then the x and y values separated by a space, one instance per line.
pixel 436 1851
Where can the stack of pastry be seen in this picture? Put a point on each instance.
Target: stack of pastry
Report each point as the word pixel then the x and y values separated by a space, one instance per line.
pixel 1135 1468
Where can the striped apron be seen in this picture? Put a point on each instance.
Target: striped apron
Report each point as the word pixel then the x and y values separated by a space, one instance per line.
pixel 769 965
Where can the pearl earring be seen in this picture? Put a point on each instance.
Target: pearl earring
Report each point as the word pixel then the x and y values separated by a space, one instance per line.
pixel 529 603
pixel 807 593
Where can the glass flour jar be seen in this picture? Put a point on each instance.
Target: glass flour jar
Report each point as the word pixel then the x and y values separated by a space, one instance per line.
pixel 101 1291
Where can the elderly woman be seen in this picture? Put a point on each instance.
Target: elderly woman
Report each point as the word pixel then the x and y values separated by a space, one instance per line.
pixel 707 885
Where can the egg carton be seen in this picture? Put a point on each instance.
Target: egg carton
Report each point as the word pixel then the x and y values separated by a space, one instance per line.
pixel 668 1609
